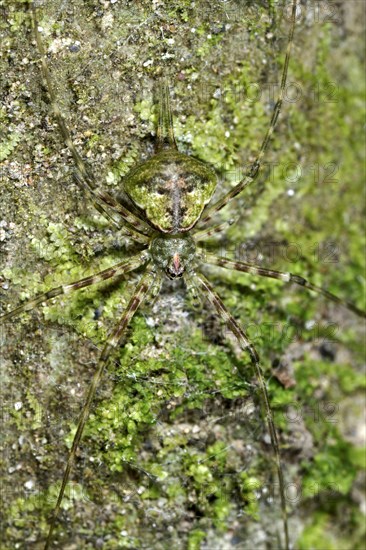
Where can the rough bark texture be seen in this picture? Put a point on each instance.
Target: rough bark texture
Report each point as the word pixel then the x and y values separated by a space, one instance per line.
pixel 176 452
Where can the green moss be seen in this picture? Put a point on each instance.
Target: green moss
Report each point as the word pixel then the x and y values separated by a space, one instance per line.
pixel 8 145
pixel 317 536
pixel 334 466
pixel 168 443
pixel 195 538
pixel 249 487
pixel 320 533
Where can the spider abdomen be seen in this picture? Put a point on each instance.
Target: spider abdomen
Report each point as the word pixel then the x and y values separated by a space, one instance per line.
pixel 171 189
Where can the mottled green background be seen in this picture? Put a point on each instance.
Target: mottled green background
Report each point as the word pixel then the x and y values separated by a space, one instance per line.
pixel 176 452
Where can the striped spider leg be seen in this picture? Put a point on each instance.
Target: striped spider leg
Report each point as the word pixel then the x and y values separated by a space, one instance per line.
pixel 209 259
pixel 254 169
pixel 285 277
pixel 200 282
pixel 139 294
pixel 109 273
pixel 128 224
pixel 207 291
pixel 83 175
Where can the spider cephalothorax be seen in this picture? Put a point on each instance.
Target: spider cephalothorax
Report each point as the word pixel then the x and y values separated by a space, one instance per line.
pixel 174 254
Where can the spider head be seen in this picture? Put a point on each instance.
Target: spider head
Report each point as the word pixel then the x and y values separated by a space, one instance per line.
pixel 173 254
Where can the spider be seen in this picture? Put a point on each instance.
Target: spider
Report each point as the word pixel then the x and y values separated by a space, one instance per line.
pixel 167 227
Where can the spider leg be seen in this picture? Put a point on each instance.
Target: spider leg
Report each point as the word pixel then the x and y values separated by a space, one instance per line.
pixel 207 290
pixel 83 175
pixel 118 221
pixel 133 263
pixel 282 276
pixel 255 166
pixel 208 232
pixel 112 342
pixel 165 131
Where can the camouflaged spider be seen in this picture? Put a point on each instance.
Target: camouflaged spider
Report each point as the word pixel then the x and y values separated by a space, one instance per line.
pixel 170 195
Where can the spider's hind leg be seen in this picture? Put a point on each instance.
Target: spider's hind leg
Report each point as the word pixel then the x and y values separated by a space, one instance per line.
pixel 83 176
pixel 252 172
pixel 165 131
pixel 211 231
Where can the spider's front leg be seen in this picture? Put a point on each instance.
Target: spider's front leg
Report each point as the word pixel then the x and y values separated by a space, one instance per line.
pixel 208 292
pixel 142 289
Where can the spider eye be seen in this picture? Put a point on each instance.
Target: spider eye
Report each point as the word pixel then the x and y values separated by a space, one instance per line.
pixel 174 274
pixel 175 269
